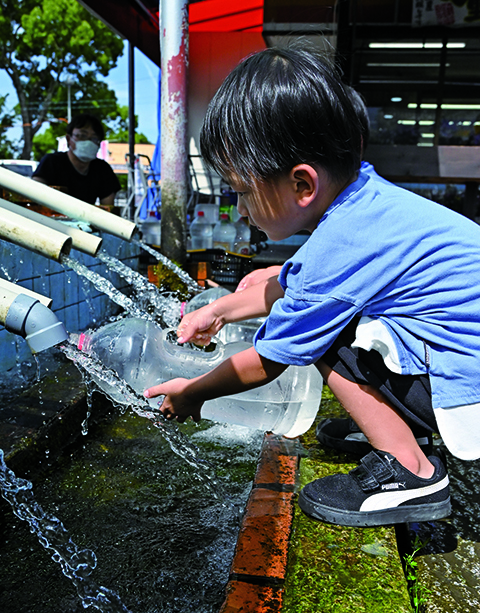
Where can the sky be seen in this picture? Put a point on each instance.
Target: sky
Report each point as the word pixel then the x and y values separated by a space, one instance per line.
pixel 146 92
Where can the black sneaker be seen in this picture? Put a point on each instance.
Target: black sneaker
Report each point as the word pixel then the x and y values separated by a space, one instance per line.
pixel 378 492
pixel 344 435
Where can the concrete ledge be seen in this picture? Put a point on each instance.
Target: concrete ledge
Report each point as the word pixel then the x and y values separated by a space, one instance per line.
pixel 39 424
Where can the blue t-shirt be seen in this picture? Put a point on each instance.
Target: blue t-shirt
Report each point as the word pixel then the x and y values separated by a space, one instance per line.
pixel 383 252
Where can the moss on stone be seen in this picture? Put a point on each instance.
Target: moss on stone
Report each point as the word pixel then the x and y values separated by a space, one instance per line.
pixel 168 280
pixel 338 569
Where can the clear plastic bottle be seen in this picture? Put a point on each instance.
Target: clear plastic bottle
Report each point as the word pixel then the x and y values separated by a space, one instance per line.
pixel 224 233
pixel 242 237
pixel 210 210
pixel 230 333
pixel 151 229
pixel 205 297
pixel 201 232
pixel 144 356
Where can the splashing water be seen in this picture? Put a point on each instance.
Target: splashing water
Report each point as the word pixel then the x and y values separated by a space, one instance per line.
pixel 166 306
pixel 76 564
pixel 186 278
pixel 105 286
pixel 179 443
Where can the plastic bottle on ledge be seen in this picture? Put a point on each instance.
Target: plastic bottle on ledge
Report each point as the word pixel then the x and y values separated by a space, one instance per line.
pixel 224 233
pixel 144 356
pixel 242 237
pixel 201 232
pixel 210 211
pixel 151 228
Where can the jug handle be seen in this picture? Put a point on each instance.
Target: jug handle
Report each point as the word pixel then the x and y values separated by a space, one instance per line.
pixel 174 348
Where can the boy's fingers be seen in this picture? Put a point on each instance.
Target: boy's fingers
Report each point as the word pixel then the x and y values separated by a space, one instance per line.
pixel 153 392
pixel 196 416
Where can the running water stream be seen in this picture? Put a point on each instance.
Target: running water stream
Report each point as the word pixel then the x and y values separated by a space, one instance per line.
pixel 163 305
pixel 166 313
pixel 76 564
pixel 182 275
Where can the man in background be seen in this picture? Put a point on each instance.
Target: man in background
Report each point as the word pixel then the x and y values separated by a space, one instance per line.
pixel 78 171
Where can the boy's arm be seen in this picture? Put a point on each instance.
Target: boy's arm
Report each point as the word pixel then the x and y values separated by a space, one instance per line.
pixel 256 276
pixel 255 301
pixel 241 372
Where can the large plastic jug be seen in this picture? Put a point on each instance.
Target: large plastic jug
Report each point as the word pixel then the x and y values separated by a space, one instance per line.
pixel 230 333
pixel 144 355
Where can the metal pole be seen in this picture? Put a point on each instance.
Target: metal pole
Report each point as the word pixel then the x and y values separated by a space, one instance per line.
pixel 174 151
pixel 69 104
pixel 131 127
pixel 69 81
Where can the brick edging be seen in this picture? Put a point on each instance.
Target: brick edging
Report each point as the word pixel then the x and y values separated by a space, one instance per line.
pixel 257 576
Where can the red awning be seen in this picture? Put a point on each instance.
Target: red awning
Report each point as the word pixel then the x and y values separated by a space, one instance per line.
pixel 138 20
pixel 219 16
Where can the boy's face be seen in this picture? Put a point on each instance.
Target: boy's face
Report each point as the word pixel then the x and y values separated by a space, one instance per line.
pixel 288 204
pixel 270 207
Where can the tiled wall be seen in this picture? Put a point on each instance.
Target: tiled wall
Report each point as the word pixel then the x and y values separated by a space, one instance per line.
pixel 68 291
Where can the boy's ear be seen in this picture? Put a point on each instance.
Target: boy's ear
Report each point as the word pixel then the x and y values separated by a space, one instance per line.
pixel 305 182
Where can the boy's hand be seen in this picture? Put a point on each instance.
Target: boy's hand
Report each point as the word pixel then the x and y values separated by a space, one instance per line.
pixel 176 404
pixel 199 326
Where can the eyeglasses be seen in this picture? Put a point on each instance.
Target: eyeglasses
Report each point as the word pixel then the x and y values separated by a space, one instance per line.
pixel 81 136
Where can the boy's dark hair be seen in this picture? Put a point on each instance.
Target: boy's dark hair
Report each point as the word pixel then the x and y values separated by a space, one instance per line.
pixel 84 119
pixel 278 108
pixel 362 114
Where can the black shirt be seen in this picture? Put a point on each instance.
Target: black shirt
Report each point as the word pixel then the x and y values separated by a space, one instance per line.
pixel 99 182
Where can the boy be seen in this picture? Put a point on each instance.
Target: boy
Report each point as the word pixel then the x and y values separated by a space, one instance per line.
pixel 383 297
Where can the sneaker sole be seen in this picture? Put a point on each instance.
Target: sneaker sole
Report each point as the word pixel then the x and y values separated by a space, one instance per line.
pixel 397 515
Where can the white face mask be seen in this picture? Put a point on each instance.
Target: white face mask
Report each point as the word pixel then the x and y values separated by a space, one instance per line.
pixel 85 150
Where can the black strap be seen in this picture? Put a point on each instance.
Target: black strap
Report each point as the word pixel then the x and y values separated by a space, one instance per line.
pixel 374 470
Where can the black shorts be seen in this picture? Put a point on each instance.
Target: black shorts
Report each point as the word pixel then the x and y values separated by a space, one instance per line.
pixel 409 394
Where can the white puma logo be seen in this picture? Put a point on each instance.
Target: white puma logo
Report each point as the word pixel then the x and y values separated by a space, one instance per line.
pixel 394 486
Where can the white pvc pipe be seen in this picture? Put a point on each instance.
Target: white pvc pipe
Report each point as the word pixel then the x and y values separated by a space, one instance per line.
pixel 62 203
pixel 83 241
pixel 34 236
pixel 18 289
pixel 6 299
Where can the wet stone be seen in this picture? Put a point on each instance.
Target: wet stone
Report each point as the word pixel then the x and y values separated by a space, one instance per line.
pixel 449 562
pixel 163 543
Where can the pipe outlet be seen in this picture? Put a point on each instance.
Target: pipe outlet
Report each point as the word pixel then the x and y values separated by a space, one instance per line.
pixel 35 322
pixel 63 203
pixel 34 236
pixel 88 243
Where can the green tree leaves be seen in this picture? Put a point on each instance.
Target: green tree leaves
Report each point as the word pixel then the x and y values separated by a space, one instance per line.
pixel 41 43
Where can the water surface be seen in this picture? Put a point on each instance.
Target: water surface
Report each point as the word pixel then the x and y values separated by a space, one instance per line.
pixel 162 541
